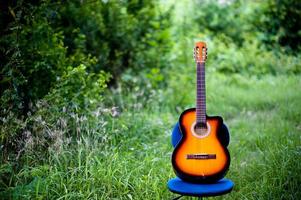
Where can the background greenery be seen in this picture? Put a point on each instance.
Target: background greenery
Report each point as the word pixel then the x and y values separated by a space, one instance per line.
pixel 90 91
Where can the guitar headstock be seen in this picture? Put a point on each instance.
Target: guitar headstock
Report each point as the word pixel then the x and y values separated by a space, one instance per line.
pixel 200 52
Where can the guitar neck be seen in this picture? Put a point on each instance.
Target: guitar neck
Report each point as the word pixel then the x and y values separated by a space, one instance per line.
pixel 201 94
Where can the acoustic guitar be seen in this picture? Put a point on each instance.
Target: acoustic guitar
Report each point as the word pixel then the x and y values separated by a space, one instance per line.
pixel 201 155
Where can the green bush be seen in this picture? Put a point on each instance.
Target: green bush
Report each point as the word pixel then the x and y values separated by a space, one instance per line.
pixel 119 34
pixel 279 22
pixel 232 20
pixel 110 36
pixel 65 50
pixel 271 22
pixel 235 41
pixel 252 58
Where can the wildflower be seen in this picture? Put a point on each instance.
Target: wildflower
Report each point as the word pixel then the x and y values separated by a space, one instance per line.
pixel 115 112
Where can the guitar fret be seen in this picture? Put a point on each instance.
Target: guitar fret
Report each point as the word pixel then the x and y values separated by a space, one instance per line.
pixel 200 94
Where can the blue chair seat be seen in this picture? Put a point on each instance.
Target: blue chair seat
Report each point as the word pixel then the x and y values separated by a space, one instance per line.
pixel 181 187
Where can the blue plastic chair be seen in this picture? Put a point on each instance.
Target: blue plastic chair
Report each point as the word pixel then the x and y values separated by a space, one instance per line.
pixel 176 185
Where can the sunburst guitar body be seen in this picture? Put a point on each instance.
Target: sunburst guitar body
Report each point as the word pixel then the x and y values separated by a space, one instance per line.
pixel 201 155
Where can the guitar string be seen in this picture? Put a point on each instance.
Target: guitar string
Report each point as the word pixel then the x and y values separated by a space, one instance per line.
pixel 200 99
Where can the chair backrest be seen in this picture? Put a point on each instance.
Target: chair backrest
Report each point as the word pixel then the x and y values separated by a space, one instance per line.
pixel 176 135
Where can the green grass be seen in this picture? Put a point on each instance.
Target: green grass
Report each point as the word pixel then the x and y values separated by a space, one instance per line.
pixel 129 158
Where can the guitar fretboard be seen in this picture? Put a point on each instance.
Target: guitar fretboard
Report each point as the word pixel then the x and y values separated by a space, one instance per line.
pixel 201 94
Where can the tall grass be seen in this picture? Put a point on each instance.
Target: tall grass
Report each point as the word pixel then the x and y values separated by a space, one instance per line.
pixel 264 120
pixel 124 152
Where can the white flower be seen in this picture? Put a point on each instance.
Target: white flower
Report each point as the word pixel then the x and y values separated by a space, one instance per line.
pixel 114 112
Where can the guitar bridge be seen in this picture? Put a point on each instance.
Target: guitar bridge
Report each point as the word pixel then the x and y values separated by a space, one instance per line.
pixel 201 156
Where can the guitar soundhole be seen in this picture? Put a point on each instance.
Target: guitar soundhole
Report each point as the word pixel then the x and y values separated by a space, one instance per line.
pixel 201 129
pixel 200 125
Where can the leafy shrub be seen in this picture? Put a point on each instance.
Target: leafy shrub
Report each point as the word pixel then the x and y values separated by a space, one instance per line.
pixel 65 53
pixel 232 19
pixel 279 22
pixel 110 36
pixel 120 35
pixel 272 22
pixel 235 41
pixel 251 59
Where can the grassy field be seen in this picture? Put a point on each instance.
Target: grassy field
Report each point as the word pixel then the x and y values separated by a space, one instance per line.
pixel 90 92
pixel 129 157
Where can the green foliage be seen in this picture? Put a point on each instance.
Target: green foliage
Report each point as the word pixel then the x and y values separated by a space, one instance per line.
pixel 271 22
pixel 29 76
pixel 235 44
pixel 78 88
pixel 119 34
pixel 280 23
pixel 110 36
pixel 65 53
pixel 91 89
pixel 229 19
pixel 251 59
